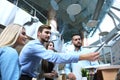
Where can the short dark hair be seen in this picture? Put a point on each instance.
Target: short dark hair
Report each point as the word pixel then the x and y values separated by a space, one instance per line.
pixel 80 34
pixel 44 27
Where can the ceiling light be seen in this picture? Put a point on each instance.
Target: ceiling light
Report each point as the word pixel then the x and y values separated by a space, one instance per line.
pixel 73 9
pixel 103 33
pixel 92 23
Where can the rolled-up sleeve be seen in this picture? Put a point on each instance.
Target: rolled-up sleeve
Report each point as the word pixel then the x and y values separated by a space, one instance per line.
pixel 35 50
pixel 40 51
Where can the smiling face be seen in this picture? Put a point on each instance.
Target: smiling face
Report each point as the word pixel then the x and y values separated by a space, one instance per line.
pixel 51 46
pixel 22 37
pixel 44 36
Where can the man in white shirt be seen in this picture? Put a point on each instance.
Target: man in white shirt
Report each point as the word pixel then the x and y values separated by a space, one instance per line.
pixel 73 70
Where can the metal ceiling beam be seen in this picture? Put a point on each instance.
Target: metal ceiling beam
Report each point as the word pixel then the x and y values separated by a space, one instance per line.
pixel 113 16
pixel 115 8
pixel 106 6
pixel 98 9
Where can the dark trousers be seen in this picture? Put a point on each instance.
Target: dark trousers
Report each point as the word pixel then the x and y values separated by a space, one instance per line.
pixel 25 77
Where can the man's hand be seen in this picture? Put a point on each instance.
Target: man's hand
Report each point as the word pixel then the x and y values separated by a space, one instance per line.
pixel 71 76
pixel 90 56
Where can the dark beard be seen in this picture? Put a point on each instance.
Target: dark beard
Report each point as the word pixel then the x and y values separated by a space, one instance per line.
pixel 78 46
pixel 43 41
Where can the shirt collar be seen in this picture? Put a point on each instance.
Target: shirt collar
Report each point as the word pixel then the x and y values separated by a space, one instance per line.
pixel 79 49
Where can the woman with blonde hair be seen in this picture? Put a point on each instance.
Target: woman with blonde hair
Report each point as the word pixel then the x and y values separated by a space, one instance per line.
pixel 11 37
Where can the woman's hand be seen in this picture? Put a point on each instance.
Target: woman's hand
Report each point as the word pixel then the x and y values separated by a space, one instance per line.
pixel 51 75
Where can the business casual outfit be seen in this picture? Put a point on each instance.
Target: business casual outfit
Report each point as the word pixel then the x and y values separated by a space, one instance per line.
pixel 34 51
pixel 9 64
pixel 75 68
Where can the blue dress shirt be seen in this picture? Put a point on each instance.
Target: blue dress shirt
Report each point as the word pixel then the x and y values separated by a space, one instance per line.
pixel 34 51
pixel 9 64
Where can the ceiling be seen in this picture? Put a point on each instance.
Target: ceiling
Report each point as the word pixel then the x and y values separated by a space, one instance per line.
pixel 91 11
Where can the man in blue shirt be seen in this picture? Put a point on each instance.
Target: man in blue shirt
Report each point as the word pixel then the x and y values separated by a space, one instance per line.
pixel 34 51
pixel 73 70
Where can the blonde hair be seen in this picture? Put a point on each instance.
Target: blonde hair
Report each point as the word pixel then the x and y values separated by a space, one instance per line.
pixel 10 34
